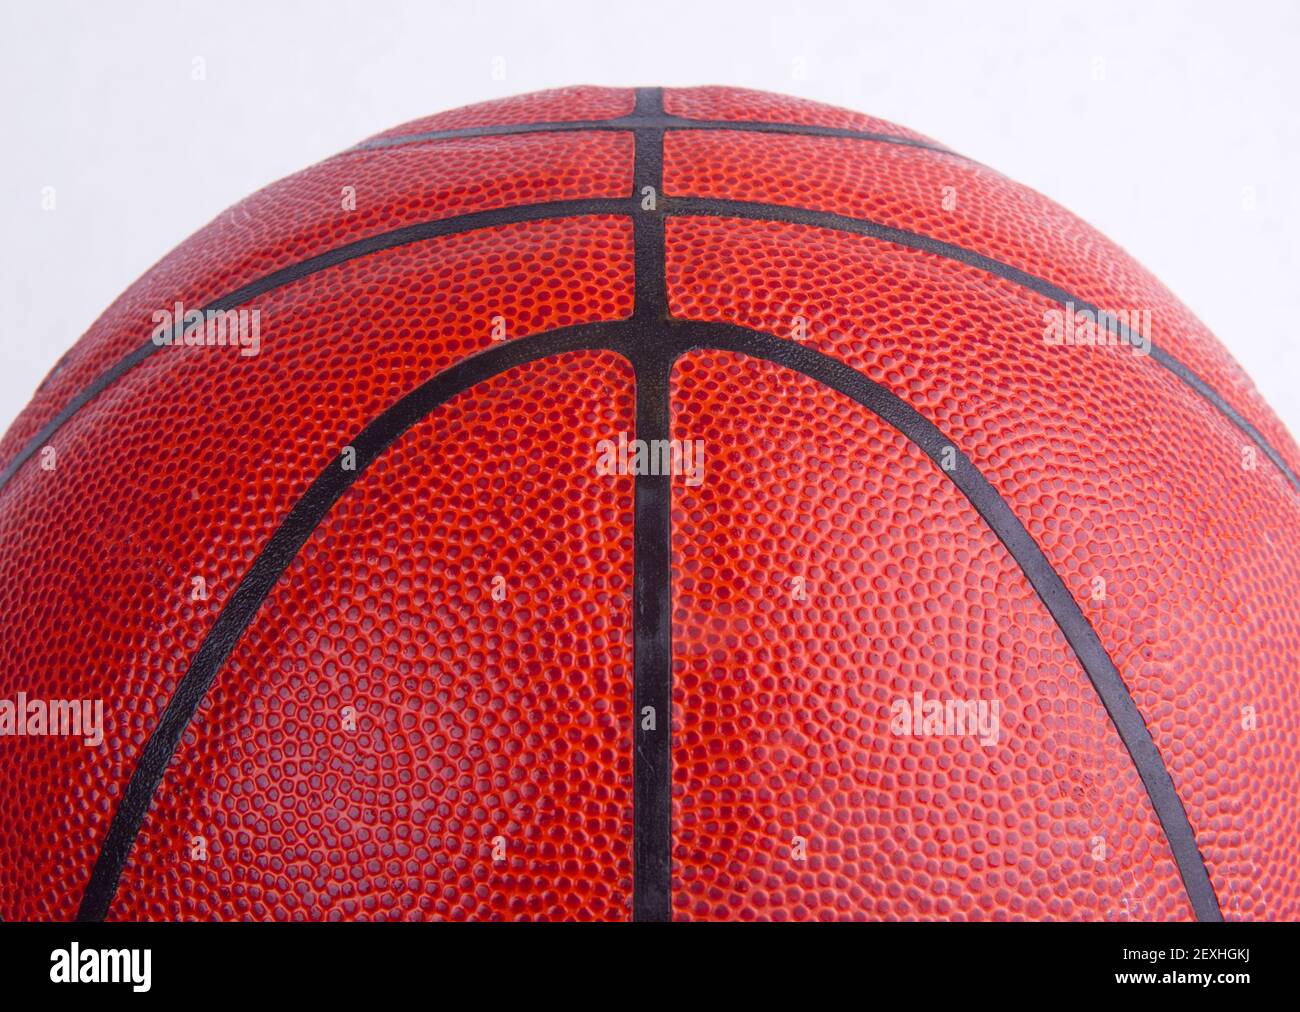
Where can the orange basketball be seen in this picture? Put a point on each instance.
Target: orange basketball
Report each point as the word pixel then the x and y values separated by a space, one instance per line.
pixel 645 504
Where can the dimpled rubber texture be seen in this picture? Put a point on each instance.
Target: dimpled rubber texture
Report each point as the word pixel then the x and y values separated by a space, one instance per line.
pixel 475 718
pixel 208 485
pixel 388 739
pixel 303 216
pixel 818 578
pixel 765 107
pixel 1198 565
pixel 963 203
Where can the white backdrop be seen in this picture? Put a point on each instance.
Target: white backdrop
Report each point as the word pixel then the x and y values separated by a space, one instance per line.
pixel 1171 126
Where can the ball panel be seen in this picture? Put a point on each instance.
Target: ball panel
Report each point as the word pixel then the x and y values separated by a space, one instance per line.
pixel 784 691
pixel 304 215
pixel 715 103
pixel 965 204
pixel 183 469
pixel 1132 485
pixel 470 718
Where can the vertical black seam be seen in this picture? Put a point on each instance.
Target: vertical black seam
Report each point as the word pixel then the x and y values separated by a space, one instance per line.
pixel 652 351
pixel 652 536
pixel 648 221
pixel 652 654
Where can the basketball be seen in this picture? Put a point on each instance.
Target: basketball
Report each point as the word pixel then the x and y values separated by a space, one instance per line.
pixel 649 504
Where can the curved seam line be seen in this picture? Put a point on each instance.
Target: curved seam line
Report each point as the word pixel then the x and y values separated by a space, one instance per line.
pixel 435 229
pixel 1034 564
pixel 279 552
pixel 619 337
pixel 715 208
pixel 677 206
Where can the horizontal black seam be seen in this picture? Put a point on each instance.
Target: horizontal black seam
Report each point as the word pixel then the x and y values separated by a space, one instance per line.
pixel 714 208
pixel 418 232
pixel 649 122
pixel 681 206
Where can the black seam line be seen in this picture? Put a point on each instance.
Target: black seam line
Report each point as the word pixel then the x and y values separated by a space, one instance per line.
pixel 673 340
pixel 681 206
pixel 652 538
pixel 652 653
pixel 418 232
pixel 647 222
pixel 1047 583
pixel 649 121
pixel 278 554
pixel 713 208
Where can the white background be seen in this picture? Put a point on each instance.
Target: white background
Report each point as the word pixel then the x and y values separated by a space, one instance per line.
pixel 1172 127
